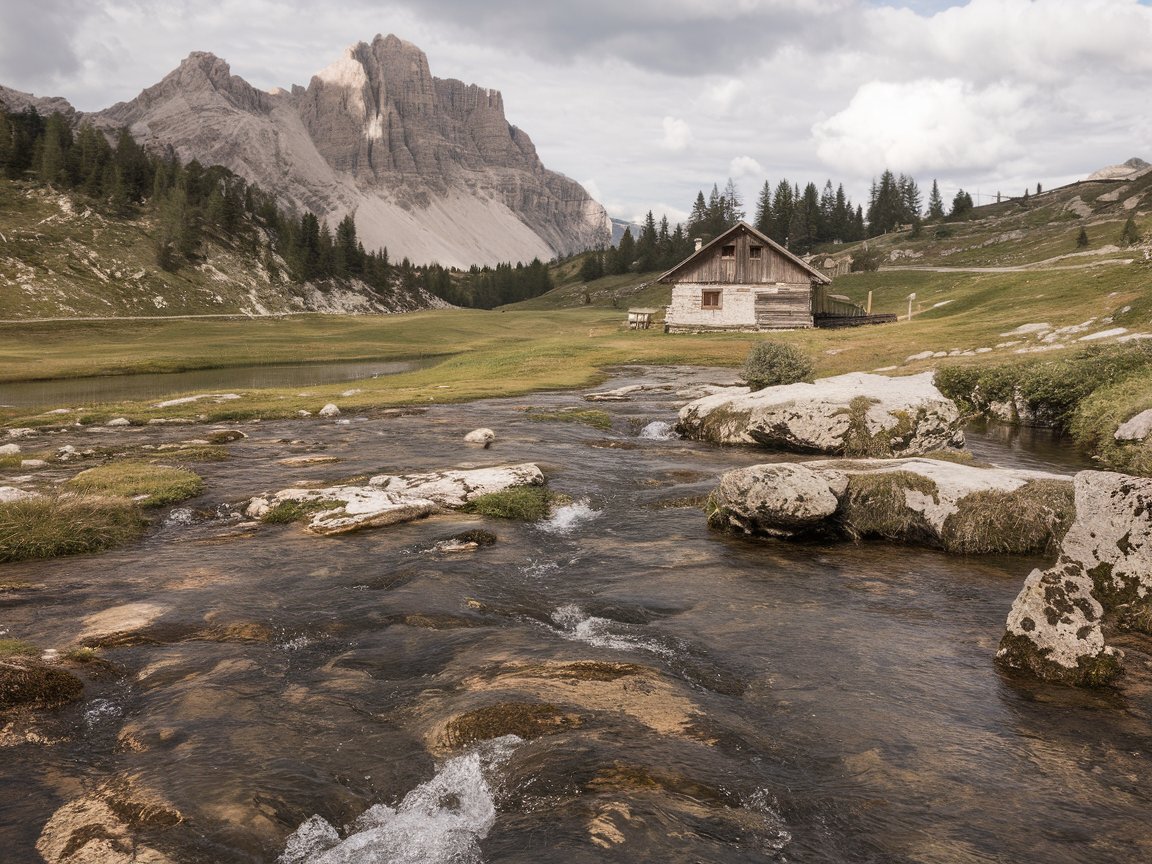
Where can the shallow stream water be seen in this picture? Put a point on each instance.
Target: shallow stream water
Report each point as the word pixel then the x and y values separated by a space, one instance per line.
pixel 689 696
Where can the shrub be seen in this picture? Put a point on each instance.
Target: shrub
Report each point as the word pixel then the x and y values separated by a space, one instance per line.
pixel 866 261
pixel 770 364
pixel 48 526
pixel 523 503
pixel 1129 236
pixel 160 483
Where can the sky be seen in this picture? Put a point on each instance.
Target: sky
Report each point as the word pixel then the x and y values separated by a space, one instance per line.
pixel 647 102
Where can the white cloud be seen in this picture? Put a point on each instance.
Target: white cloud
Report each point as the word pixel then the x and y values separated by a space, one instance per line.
pixel 677 135
pixel 925 124
pixel 744 166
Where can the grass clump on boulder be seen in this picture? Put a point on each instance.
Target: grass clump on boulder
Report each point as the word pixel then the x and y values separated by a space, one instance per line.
pixel 522 503
pixel 155 484
pixel 47 526
pixel 1033 518
pixel 876 506
pixel 771 364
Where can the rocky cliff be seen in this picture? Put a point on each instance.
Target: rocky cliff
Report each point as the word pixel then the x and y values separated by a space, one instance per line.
pixel 430 167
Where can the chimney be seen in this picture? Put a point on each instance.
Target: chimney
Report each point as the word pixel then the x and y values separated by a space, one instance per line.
pixel 699 243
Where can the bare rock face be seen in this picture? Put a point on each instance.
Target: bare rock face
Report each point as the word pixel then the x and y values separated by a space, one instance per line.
pixel 856 414
pixel 1103 578
pixel 430 167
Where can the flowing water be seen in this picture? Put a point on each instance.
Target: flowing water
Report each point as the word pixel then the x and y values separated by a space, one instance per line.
pixel 617 683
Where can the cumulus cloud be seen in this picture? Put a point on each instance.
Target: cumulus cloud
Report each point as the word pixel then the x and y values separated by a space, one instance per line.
pixel 36 44
pixel 677 135
pixel 924 124
pixel 744 166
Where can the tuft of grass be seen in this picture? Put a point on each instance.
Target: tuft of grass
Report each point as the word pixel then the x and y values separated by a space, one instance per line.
pixel 37 685
pixel 17 648
pixel 876 506
pixel 49 526
pixel 9 461
pixel 588 416
pixel 1032 518
pixel 162 484
pixel 296 511
pixel 197 453
pixel 522 503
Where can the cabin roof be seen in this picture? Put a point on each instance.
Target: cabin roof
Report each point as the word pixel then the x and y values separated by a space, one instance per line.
pixel 763 238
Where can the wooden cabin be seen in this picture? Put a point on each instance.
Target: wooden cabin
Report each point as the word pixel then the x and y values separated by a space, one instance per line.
pixel 744 280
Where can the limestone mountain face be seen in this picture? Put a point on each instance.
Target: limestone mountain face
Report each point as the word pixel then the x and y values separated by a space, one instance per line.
pixel 1130 170
pixel 430 167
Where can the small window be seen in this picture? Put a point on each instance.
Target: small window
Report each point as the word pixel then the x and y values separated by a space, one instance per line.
pixel 710 300
pixel 754 252
pixel 728 251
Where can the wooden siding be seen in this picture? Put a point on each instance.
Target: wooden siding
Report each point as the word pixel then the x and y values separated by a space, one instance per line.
pixel 785 307
pixel 740 269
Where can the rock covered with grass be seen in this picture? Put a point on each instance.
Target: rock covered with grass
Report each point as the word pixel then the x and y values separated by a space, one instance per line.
pixel 1102 580
pixel 858 414
pixel 943 504
pixel 389 499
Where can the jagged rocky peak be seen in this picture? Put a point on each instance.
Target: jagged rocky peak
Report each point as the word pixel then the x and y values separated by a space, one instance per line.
pixel 1130 170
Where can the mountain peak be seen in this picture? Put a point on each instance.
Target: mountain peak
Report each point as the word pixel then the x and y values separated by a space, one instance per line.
pixel 1130 170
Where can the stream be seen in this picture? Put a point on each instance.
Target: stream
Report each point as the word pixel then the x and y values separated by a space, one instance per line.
pixel 615 683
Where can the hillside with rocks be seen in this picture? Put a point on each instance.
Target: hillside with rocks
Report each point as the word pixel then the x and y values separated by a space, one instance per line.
pixel 62 257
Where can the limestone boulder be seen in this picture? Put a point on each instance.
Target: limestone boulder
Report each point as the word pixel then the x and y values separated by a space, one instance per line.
pixel 457 488
pixel 330 410
pixel 930 502
pixel 1059 622
pixel 858 414
pixel 483 436
pixel 1136 428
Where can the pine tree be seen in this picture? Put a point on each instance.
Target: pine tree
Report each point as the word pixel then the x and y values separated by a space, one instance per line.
pixel 764 209
pixel 961 205
pixel 592 267
pixel 625 254
pixel 733 206
pixel 935 203
pixel 1129 236
pixel 1082 239
pixel 783 202
pixel 646 245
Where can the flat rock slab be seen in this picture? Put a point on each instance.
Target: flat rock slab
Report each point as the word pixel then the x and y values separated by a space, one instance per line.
pixel 391 499
pixel 855 414
pixel 1136 428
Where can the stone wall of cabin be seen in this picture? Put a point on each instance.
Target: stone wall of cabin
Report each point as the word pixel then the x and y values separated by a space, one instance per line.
pixel 738 308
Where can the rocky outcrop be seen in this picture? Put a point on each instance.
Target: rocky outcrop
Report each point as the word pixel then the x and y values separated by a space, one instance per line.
pixel 390 499
pixel 1130 170
pixel 960 508
pixel 1059 622
pixel 429 167
pixel 855 415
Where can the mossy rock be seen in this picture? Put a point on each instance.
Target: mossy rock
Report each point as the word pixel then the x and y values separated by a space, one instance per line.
pixel 876 506
pixel 1021 653
pixel 30 684
pixel 528 720
pixel 296 511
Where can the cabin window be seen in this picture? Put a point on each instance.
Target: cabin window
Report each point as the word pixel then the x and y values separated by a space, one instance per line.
pixel 754 252
pixel 728 251
pixel 710 300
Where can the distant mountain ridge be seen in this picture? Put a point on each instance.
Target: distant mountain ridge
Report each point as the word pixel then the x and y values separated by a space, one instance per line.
pixel 430 167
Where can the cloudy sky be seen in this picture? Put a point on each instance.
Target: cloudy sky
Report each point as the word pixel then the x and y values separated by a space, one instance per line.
pixel 648 101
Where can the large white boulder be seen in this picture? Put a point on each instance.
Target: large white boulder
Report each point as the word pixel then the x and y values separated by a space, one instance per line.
pixel 957 507
pixel 457 488
pixel 1103 578
pixel 858 414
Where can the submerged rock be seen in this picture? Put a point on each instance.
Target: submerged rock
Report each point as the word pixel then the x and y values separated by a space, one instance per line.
pixel 859 414
pixel 961 508
pixel 1056 629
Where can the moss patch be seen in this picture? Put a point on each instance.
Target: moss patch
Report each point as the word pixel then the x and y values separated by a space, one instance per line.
pixel 48 526
pixel 160 483
pixel 1032 518
pixel 876 506
pixel 17 648
pixel 28 684
pixel 522 503
pixel 296 511
pixel 526 719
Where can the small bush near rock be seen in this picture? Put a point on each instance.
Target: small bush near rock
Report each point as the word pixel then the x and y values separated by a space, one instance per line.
pixel 522 503
pixel 162 484
pixel 48 526
pixel 771 364
pixel 1032 518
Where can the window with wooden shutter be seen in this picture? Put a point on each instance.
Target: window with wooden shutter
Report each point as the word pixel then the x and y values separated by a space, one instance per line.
pixel 710 300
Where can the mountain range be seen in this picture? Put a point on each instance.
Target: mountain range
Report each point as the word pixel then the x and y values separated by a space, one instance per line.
pixel 429 167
